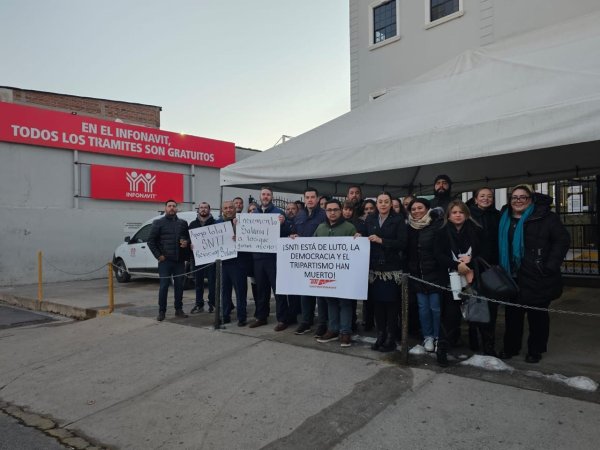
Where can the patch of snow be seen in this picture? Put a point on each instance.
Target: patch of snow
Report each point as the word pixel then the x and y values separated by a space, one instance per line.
pixel 487 363
pixel 417 350
pixel 579 382
pixel 365 339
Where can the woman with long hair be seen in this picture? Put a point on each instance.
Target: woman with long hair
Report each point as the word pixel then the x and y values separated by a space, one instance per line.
pixel 457 244
pixel 388 236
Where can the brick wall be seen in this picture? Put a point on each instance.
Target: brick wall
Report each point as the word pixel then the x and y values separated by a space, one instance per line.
pixel 132 113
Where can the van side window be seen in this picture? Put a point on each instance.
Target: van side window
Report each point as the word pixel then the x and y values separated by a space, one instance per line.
pixel 141 235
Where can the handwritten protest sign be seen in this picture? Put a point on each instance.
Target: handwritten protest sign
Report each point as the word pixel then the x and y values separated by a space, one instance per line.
pixel 257 233
pixel 324 267
pixel 213 242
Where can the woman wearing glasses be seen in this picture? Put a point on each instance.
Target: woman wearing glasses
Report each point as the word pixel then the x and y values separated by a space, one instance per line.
pixel 532 244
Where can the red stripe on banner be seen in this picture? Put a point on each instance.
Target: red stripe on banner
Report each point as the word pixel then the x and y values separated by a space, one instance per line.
pixel 42 127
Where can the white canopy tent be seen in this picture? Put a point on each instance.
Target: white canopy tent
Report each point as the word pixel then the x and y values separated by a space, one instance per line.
pixel 526 109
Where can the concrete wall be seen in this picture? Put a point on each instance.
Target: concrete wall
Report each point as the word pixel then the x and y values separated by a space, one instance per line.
pixel 76 234
pixel 420 49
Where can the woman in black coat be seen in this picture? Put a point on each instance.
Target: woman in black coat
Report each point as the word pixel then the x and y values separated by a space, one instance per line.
pixel 423 223
pixel 387 233
pixel 484 212
pixel 457 244
pixel 532 246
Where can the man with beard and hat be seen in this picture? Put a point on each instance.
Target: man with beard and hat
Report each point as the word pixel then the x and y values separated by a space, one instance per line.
pixel 442 191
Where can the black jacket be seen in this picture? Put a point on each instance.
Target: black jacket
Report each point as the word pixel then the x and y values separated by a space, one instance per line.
pixel 197 224
pixel 422 262
pixel 389 255
pixel 489 219
pixel 546 242
pixel 164 238
pixel 449 240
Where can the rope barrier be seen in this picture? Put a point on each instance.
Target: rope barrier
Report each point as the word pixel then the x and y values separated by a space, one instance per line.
pixel 103 266
pixel 173 276
pixel 501 302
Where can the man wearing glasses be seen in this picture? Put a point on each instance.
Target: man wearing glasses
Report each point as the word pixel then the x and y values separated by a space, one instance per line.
pixel 339 309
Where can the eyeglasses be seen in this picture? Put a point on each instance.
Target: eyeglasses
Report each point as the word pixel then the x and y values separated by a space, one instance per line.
pixel 519 198
pixel 332 210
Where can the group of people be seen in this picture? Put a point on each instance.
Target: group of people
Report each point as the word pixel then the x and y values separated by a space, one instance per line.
pixel 426 238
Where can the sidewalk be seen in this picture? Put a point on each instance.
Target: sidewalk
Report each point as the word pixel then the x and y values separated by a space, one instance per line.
pixel 130 382
pixel 572 346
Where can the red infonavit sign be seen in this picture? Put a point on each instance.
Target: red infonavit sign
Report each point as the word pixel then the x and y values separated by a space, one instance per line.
pixel 121 183
pixel 36 126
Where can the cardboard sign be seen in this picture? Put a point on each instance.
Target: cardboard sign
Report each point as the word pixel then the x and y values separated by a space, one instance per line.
pixel 257 233
pixel 213 242
pixel 324 267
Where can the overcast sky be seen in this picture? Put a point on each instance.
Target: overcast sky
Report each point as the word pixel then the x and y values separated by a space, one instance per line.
pixel 240 71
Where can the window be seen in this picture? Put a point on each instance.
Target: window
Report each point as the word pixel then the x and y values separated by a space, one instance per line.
pixel 383 23
pixel 440 11
pixel 142 235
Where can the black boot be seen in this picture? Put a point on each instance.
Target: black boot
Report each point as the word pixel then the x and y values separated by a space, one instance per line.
pixel 390 343
pixel 381 338
pixel 442 357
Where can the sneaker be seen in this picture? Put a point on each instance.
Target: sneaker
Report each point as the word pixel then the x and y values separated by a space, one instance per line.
pixel 197 309
pixel 328 337
pixel 180 314
pixel 161 316
pixel 345 340
pixel 302 329
pixel 428 344
pixel 321 330
pixel 280 326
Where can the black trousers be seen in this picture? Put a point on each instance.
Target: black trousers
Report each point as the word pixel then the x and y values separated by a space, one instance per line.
pixel 487 331
pixel 539 329
pixel 386 317
pixel 450 322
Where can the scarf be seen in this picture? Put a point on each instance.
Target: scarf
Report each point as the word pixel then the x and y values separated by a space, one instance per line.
pixel 422 222
pixel 518 248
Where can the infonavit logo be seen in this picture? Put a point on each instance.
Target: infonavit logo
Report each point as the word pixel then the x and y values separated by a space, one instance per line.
pixel 138 182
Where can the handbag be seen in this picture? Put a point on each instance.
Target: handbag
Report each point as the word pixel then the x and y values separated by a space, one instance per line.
pixel 495 283
pixel 474 309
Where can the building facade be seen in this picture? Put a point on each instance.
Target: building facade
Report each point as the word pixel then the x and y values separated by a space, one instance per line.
pixel 392 41
pixel 78 174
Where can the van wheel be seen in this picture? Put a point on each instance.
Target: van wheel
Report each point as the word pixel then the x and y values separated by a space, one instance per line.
pixel 121 271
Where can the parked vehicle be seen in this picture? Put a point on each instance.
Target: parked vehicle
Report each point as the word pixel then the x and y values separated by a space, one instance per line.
pixel 133 255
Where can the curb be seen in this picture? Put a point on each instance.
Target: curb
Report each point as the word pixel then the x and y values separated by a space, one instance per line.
pixel 73 312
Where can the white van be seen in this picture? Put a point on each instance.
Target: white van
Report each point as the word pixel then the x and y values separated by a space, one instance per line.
pixel 133 255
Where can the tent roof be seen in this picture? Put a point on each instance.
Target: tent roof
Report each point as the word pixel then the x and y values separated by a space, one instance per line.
pixel 523 109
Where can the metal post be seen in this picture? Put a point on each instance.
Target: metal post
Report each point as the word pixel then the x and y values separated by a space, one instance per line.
pixel 218 283
pixel 40 288
pixel 111 292
pixel 405 318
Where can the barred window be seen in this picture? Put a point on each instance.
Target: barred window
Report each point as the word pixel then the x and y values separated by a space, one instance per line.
pixel 384 21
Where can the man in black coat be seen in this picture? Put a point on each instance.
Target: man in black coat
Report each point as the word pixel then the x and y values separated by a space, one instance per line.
pixel 169 242
pixel 204 219
pixel 442 193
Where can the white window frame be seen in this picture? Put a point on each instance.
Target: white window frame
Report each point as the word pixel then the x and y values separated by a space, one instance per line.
pixel 455 15
pixel 374 45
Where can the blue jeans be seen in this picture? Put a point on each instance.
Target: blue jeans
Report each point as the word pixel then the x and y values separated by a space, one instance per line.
pixel 209 273
pixel 340 314
pixel 234 277
pixel 308 310
pixel 166 269
pixel 429 313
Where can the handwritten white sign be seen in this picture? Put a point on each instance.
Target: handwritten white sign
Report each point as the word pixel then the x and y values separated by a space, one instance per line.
pixel 257 233
pixel 324 267
pixel 213 242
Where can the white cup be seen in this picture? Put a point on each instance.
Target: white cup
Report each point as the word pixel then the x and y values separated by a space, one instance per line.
pixel 455 285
